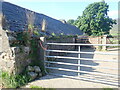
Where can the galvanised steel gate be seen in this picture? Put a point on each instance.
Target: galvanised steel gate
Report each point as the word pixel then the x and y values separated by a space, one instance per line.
pixel 97 76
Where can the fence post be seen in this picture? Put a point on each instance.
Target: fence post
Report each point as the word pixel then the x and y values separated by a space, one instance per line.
pixel 42 53
pixel 79 60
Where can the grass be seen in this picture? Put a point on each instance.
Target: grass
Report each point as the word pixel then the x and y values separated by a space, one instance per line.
pixel 35 86
pixel 107 88
pixel 13 81
pixel 41 88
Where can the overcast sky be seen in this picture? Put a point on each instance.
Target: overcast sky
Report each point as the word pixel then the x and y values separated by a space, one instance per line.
pixel 64 9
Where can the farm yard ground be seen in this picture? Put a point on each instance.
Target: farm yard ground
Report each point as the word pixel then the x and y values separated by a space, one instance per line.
pixel 51 81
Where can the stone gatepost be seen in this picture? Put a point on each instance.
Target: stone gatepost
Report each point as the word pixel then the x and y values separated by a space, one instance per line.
pixel 104 41
pixel 1 25
pixel 42 42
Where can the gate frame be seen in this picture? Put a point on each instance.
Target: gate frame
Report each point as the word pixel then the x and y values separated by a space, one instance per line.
pixel 78 52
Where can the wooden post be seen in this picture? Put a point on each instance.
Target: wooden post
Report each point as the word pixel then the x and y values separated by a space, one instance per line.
pixel 79 60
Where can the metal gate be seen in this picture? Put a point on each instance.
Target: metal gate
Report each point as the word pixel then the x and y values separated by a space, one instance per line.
pixel 100 72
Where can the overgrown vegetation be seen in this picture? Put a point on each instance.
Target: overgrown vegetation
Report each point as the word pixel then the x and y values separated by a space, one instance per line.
pixel 25 39
pixel 34 51
pixel 22 39
pixel 36 32
pixel 14 81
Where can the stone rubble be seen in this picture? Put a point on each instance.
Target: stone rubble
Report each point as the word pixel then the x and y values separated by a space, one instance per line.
pixel 37 69
pixel 30 69
pixel 26 50
pixel 32 75
pixel 34 72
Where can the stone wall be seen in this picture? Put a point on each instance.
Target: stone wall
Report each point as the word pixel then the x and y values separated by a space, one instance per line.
pixel 99 40
pixel 95 40
pixel 13 59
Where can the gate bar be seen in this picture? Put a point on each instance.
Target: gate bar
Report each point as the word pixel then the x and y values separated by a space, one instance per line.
pixel 81 65
pixel 111 75
pixel 82 52
pixel 76 44
pixel 86 79
pixel 81 58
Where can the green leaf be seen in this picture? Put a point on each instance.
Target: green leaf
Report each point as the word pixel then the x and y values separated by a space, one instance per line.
pixel 94 20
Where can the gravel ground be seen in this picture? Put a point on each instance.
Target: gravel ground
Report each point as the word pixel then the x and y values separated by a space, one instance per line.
pixel 51 81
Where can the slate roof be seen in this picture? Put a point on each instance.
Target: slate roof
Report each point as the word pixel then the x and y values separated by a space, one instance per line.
pixel 17 21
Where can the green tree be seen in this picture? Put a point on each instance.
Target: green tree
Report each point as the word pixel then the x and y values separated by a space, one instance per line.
pixel 95 20
pixel 71 21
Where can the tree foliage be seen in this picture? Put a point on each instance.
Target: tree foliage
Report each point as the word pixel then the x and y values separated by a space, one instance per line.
pixel 71 21
pixel 95 20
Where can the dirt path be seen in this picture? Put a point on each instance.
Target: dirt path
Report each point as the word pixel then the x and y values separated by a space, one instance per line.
pixel 51 81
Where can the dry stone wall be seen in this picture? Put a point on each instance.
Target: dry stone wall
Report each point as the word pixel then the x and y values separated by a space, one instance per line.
pixel 12 59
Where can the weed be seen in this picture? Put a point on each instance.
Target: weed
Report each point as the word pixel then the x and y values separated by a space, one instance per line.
pixel 53 34
pixel 99 48
pixel 13 81
pixel 35 32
